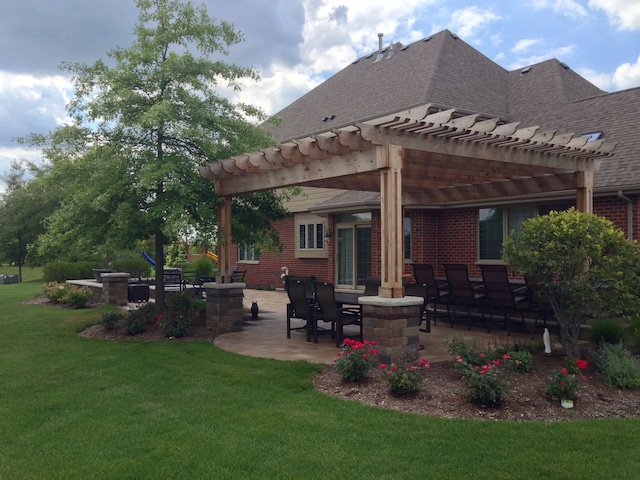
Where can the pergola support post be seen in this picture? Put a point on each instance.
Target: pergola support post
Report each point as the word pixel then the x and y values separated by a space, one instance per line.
pixel 224 253
pixel 584 191
pixel 391 219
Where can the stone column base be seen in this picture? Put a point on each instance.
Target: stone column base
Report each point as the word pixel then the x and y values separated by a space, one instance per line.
pixel 115 288
pixel 224 307
pixel 394 323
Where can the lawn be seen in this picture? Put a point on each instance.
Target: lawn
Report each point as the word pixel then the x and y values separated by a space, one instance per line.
pixel 72 407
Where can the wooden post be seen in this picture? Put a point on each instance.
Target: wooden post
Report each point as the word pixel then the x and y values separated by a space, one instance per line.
pixel 392 230
pixel 224 224
pixel 584 191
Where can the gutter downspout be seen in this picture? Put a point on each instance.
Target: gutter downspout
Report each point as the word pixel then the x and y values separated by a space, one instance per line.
pixel 629 214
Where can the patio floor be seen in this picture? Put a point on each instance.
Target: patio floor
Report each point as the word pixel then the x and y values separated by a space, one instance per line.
pixel 267 336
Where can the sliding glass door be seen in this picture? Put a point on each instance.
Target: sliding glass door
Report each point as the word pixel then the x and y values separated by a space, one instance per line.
pixel 353 250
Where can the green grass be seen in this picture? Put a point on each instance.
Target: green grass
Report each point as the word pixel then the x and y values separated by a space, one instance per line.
pixel 72 407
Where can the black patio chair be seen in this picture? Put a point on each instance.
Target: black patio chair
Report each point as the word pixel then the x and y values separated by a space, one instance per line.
pixel 432 291
pixel 462 292
pixel 501 295
pixel 330 311
pixel 300 307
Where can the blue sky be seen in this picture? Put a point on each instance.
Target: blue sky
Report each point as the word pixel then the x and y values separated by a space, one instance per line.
pixel 296 44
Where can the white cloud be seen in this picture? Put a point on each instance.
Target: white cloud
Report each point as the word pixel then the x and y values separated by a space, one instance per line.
pixel 623 13
pixel 568 8
pixel 525 44
pixel 468 21
pixel 627 75
pixel 600 80
pixel 559 53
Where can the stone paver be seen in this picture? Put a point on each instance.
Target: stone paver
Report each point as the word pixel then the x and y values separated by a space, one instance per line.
pixel 267 336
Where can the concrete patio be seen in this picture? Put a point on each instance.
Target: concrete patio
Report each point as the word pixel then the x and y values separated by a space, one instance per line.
pixel 267 337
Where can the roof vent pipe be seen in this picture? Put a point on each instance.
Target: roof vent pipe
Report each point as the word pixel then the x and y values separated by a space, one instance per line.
pixel 629 214
pixel 380 35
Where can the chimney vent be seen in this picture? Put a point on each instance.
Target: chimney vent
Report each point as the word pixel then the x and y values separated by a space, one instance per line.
pixel 380 35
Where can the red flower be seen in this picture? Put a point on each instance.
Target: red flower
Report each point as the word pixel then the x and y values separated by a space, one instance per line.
pixel 383 366
pixel 394 368
pixel 564 371
pixel 506 356
pixel 582 364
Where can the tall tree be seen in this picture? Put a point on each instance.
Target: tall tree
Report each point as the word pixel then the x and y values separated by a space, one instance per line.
pixel 150 116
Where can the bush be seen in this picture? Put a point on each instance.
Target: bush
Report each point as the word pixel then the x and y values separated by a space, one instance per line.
pixel 355 360
pixel 179 315
pixel 137 319
pixel 607 331
pixel 85 269
pixel 407 378
pixel 203 267
pixel 633 332
pixel 518 361
pixel 76 296
pixel 617 365
pixel 60 272
pixel 67 293
pixel 111 320
pixel 484 384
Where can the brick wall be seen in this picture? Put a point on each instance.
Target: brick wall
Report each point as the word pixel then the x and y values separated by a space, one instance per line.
pixel 439 236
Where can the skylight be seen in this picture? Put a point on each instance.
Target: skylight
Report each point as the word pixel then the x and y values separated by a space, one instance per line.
pixel 593 136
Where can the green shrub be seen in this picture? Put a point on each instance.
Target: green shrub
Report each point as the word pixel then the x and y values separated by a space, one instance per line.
pixel 179 315
pixel 617 365
pixel 76 296
pixel 85 269
pixel 485 385
pixel 633 332
pixel 606 330
pixel 137 319
pixel 60 272
pixel 203 267
pixel 111 320
pixel 355 360
pixel 54 290
pixel 519 361
pixel 407 378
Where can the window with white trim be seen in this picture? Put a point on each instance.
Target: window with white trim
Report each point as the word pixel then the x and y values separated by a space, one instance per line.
pixel 311 236
pixel 495 224
pixel 248 253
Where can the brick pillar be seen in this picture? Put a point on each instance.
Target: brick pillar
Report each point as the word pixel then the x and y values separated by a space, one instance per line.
pixel 394 323
pixel 224 307
pixel 115 288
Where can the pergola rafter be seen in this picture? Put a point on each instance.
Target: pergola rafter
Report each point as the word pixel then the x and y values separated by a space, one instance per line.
pixel 421 157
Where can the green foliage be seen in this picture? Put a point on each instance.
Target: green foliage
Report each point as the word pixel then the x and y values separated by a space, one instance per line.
pixel 606 330
pixel 60 272
pixel 138 319
pixel 178 316
pixel 203 267
pixel 355 360
pixel 406 378
pixel 176 255
pixel 564 384
pixel 111 320
pixel 129 264
pixel 67 294
pixel 617 365
pixel 633 332
pixel 85 269
pixel 584 265
pixel 519 361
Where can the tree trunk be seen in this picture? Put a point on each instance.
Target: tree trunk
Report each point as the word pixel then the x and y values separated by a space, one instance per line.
pixel 159 271
pixel 569 335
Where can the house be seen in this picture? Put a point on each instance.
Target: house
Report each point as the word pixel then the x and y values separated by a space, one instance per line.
pixel 480 150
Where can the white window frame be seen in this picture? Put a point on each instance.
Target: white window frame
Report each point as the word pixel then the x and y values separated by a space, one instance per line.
pixel 249 254
pixel 309 225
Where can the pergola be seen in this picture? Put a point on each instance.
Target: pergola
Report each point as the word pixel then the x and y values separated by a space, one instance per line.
pixel 422 156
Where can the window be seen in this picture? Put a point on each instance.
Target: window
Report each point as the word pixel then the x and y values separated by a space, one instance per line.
pixel 248 253
pixel 311 236
pixel 407 236
pixel 495 224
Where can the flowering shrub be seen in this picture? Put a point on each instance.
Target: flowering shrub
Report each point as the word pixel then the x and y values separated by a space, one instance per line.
pixel 484 384
pixel 518 361
pixel 67 293
pixel 111 320
pixel 564 384
pixel 178 316
pixel 356 359
pixel 405 379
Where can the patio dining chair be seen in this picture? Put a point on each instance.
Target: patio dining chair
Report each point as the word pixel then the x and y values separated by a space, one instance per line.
pixel 371 286
pixel 432 291
pixel 330 311
pixel 462 292
pixel 502 295
pixel 300 307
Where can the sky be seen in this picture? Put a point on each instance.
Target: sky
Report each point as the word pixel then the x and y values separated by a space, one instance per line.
pixel 296 44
